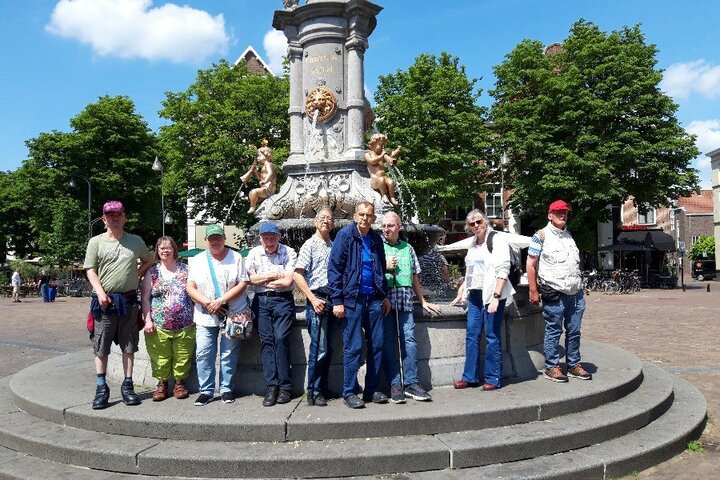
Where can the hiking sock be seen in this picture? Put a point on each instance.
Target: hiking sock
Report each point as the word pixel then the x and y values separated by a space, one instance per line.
pixel 100 379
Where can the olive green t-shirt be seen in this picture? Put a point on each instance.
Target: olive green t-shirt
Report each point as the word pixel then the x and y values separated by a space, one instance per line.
pixel 116 261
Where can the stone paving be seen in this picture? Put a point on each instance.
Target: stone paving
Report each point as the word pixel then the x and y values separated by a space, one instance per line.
pixel 678 330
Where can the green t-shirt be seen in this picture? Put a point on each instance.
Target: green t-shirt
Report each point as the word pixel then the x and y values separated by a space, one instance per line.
pixel 116 261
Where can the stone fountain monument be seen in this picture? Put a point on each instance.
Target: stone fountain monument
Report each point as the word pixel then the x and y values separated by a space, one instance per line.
pixel 327 166
pixel 328 110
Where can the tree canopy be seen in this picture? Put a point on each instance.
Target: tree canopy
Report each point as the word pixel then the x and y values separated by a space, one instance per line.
pixel 703 248
pixel 586 121
pixel 111 146
pixel 215 124
pixel 432 111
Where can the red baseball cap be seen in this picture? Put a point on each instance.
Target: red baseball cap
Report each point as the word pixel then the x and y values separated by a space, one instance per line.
pixel 558 205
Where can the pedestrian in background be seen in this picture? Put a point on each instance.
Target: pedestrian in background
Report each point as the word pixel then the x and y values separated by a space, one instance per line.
pixel 16 282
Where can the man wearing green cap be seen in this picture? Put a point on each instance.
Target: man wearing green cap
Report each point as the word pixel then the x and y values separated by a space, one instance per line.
pixel 217 283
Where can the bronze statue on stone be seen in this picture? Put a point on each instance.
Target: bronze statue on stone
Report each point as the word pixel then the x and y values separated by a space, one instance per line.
pixel 265 171
pixel 376 158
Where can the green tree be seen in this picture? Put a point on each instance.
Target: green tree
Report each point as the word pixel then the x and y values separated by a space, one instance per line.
pixel 587 122
pixel 215 123
pixel 110 145
pixel 431 110
pixel 703 248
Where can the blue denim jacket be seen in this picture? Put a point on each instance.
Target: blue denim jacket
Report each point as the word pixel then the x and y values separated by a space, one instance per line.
pixel 345 266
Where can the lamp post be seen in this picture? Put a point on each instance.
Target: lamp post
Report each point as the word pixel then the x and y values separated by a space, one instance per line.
pixel 167 219
pixel 157 167
pixel 73 184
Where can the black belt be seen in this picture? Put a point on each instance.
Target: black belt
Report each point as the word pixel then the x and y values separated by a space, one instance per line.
pixel 270 293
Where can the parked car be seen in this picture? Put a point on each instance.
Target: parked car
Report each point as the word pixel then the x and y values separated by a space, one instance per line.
pixel 703 269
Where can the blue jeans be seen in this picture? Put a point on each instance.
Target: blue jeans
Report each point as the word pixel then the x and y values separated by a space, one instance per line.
pixel 365 315
pixel 275 316
pixel 206 343
pixel 478 319
pixel 320 327
pixel 408 345
pixel 566 311
pixel 44 292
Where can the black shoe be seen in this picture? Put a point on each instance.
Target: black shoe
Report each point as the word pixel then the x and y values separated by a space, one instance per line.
pixel 228 397
pixel 377 397
pixel 270 397
pixel 318 401
pixel 284 397
pixel 102 395
pixel 127 390
pixel 203 399
pixel 353 401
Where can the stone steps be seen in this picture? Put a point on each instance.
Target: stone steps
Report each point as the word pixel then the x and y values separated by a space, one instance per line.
pixel 630 416
pixel 246 419
pixel 657 441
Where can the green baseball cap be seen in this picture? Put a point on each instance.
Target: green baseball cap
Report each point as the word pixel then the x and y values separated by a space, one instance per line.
pixel 214 229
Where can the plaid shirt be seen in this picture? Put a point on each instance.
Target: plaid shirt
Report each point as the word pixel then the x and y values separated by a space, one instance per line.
pixel 402 297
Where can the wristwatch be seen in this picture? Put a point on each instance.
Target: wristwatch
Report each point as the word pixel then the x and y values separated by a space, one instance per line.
pixel 496 295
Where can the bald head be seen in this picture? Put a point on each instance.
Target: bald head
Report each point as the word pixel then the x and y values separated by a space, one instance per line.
pixel 391 227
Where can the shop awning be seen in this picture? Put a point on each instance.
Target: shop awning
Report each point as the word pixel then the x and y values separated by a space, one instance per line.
pixel 654 239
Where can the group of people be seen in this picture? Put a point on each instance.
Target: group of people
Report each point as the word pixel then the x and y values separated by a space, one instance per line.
pixel 46 284
pixel 362 283
pixel 554 275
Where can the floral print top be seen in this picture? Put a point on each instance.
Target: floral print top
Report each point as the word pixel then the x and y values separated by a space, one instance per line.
pixel 170 305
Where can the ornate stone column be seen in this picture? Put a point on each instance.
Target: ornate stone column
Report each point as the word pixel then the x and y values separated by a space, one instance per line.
pixel 327 40
pixel 355 47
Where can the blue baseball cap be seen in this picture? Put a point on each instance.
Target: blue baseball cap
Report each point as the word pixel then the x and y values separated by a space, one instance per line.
pixel 269 227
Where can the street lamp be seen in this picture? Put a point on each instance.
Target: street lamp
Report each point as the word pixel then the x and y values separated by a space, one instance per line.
pixel 73 184
pixel 157 167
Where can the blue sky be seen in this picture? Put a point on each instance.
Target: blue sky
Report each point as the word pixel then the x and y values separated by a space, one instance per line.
pixel 60 55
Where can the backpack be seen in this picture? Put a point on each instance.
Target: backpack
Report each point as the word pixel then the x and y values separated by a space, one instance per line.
pixel 515 271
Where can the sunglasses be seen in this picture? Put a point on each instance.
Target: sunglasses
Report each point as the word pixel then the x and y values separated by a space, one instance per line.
pixel 476 223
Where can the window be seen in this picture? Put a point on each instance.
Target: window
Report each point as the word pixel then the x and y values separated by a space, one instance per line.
pixel 694 239
pixel 494 203
pixel 648 218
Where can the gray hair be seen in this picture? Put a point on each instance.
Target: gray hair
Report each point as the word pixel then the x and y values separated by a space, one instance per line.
pixel 476 213
pixel 323 209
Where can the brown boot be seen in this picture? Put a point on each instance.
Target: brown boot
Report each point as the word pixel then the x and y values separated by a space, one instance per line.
pixel 161 392
pixel 180 391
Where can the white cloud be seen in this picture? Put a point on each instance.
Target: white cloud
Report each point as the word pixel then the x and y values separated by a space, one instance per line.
pixel 680 80
pixel 275 44
pixel 708 139
pixel 136 29
pixel 707 132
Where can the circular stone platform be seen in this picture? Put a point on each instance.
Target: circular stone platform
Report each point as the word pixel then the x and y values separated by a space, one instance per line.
pixel 441 350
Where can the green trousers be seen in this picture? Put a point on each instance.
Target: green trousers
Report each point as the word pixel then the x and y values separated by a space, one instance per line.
pixel 171 352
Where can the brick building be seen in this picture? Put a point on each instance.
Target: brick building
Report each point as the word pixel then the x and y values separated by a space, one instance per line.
pixel 694 219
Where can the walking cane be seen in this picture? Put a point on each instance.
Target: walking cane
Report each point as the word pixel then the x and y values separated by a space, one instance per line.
pixel 397 328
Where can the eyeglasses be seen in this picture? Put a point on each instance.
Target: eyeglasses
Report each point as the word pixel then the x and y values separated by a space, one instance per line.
pixel 389 225
pixel 476 223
